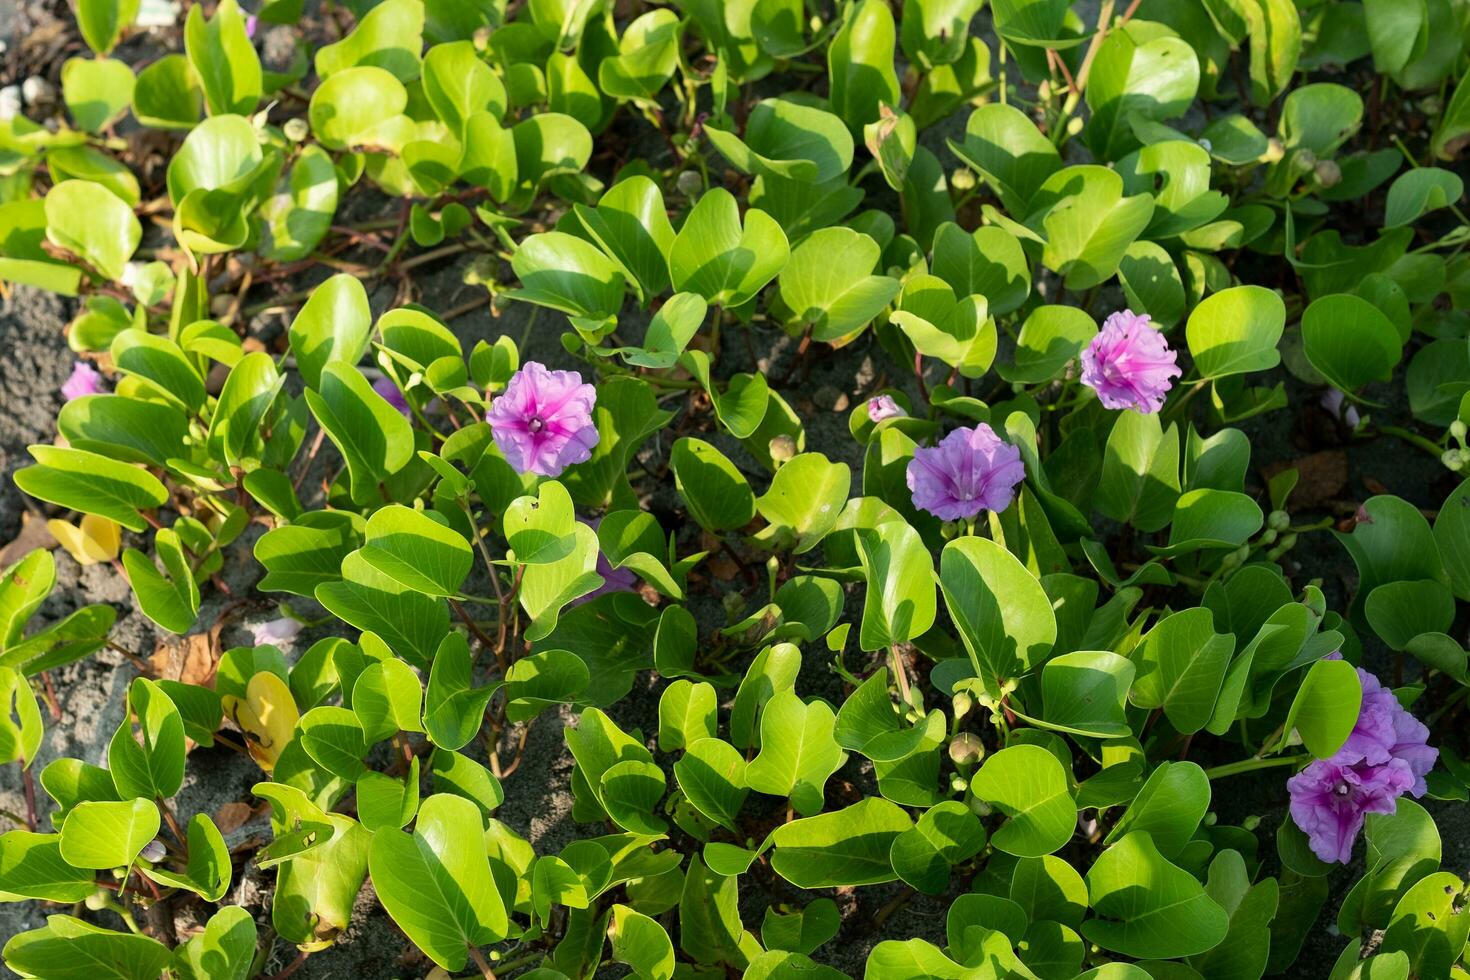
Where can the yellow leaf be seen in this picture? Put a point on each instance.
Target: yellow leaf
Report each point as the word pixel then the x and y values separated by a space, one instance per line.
pixel 96 541
pixel 267 715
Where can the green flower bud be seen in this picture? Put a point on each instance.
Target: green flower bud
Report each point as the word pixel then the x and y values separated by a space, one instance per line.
pixel 1457 429
pixel 966 749
pixel 690 183
pixel 296 130
pixel 1279 520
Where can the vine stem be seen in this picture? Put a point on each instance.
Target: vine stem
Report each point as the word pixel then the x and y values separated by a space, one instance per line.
pixel 482 963
pixel 902 675
pixel 1249 765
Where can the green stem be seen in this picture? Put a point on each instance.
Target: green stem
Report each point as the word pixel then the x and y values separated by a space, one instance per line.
pixel 1412 439
pixel 1249 765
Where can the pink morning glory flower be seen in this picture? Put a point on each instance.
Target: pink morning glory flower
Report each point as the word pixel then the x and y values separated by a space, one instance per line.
pixel 385 387
pixel 251 23
pixel 1330 801
pixel 542 422
pixel 884 407
pixel 275 632
pixel 1129 364
pixel 970 470
pixel 83 381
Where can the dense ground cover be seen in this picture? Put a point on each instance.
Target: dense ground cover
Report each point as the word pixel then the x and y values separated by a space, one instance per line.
pixel 900 490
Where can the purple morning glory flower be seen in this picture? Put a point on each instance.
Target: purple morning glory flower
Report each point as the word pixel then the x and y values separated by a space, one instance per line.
pixel 84 380
pixel 543 420
pixel 884 407
pixel 1386 731
pixel 613 579
pixel 970 470
pixel 1330 800
pixel 251 23
pixel 385 387
pixel 1129 364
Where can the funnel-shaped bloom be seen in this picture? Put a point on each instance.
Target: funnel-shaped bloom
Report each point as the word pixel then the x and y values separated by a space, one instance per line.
pixel 1129 364
pixel 1330 801
pixel 543 420
pixel 84 380
pixel 970 470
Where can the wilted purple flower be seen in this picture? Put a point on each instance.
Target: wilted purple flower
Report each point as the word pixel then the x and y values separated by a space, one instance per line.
pixel 385 387
pixel 153 851
pixel 276 631
pixel 1129 364
pixel 1330 800
pixel 613 579
pixel 969 471
pixel 83 381
pixel 543 420
pixel 884 407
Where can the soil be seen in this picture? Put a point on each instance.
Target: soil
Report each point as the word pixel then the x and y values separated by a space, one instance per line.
pixel 822 387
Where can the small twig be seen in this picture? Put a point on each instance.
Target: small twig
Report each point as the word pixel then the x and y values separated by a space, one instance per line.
pixel 292 968
pixel 482 963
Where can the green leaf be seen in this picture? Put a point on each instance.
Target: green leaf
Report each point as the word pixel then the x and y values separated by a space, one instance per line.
pixel 335 740
pixel 1085 693
pixel 803 930
pixel 417 550
pixel 93 484
pixel 945 835
pixel 172 600
pixel 546 588
pixel 716 493
pixel 631 225
pixel 540 529
pixel 988 261
pixel 1001 611
pixel 1135 78
pixel 1170 916
pixel 224 59
pixel 102 22
pixel 1418 192
pixel 334 325
pixel 848 847
pixel 151 767
pixel 94 224
pixel 1140 474
pixel 641 943
pixel 1210 518
pixel 70 949
pixel 1029 786
pixel 900 602
pixel 1169 808
pixel 712 774
pixel 96 91
pixel 358 107
pixel 31 866
pixel 1275 32
pixel 1181 666
pixel 208 871
pixel 828 285
pixel 648 53
pixel 162 367
pixel 686 714
pixel 1350 341
pixel 1325 707
pixel 389 36
pixel 718 258
pixel 805 499
pixel 542 680
pixel 225 950
pixel 167 94
pixel 249 391
pixel 373 436
pixel 410 622
pixel 1087 222
pixel 566 273
pixel 454 708
pixel 798 753
pixel 784 138
pixel 436 882
pixel 106 835
pixel 860 64
pixel 1235 331
pixel 1004 147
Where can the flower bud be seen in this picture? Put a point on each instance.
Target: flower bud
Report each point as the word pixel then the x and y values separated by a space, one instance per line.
pixel 97 901
pixel 1269 536
pixel 1274 151
pixel 1452 458
pixel 1279 520
pixel 962 703
pixel 1329 174
pixel 966 749
pixel 153 851
pixel 689 183
pixel 782 448
pixel 962 179
pixel 1457 429
pixel 296 130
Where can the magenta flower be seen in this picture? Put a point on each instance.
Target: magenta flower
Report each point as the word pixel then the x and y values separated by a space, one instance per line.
pixel 543 420
pixel 83 381
pixel 969 471
pixel 884 407
pixel 613 579
pixel 1330 800
pixel 385 387
pixel 1129 364
pixel 251 23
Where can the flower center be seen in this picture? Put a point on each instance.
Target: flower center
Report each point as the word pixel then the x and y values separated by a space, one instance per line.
pixel 536 425
pixel 1342 789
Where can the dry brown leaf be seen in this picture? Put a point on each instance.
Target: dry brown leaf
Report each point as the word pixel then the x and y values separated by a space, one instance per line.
pixel 190 659
pixel 1322 476
pixel 232 816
